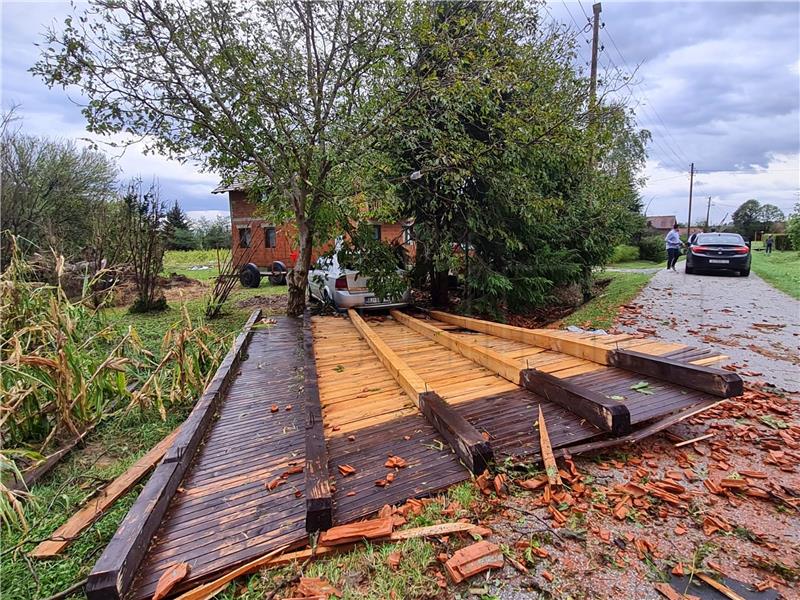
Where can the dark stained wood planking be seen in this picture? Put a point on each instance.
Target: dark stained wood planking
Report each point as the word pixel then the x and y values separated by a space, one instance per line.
pixel 598 409
pixel 710 380
pixel 112 575
pixel 432 466
pixel 224 515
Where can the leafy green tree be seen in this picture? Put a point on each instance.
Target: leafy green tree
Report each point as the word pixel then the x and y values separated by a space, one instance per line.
pixel 498 145
pixel 747 218
pixel 280 90
pixel 213 234
pixel 793 227
pixel 50 190
pixel 769 215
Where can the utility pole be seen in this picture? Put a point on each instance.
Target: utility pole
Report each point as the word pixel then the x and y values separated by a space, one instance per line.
pixel 691 185
pixel 596 8
pixel 708 212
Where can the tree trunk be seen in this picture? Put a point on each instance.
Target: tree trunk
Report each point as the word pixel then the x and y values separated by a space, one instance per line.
pixel 298 276
pixel 439 296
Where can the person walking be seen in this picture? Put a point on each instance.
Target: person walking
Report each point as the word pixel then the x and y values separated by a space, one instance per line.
pixel 768 245
pixel 673 242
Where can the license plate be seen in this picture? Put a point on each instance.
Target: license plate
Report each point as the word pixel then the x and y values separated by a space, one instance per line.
pixel 375 300
pixel 718 261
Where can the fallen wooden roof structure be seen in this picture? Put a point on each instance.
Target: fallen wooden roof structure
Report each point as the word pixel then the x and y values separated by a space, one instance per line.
pixel 307 425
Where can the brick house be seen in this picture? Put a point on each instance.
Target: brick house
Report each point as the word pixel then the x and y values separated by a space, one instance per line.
pixel 661 224
pixel 272 242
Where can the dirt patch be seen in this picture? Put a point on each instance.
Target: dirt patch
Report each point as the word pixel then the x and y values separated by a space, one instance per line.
pixel 176 288
pixel 271 305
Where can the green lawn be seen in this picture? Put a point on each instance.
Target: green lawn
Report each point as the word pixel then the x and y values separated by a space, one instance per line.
pixel 186 262
pixel 779 269
pixel 599 312
pixel 638 264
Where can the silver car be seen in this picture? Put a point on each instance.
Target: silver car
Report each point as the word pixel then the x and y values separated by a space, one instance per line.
pixel 344 288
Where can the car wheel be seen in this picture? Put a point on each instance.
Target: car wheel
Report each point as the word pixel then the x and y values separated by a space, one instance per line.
pixel 689 270
pixel 250 276
pixel 745 273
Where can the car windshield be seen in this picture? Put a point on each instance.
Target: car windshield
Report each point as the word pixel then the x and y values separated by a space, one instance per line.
pixel 725 238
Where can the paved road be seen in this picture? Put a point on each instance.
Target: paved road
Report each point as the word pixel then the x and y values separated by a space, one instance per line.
pixel 723 312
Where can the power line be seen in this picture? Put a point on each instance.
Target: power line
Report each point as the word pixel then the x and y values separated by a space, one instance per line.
pixel 679 154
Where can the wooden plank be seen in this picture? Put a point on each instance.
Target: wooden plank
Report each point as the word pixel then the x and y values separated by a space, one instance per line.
pixel 113 573
pixel 411 383
pixel 705 379
pixel 319 499
pixel 96 507
pixel 596 408
pixel 465 440
pixel 557 341
pixel 495 361
pixel 644 432
pixel 551 468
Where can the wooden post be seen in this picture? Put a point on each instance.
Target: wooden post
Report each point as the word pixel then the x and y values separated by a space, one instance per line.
pixel 702 378
pixel 600 411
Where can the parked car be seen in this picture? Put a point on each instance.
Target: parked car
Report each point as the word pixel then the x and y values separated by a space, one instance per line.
pixel 719 251
pixel 344 288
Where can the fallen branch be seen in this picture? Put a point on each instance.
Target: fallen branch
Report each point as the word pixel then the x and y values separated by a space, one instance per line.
pixel 95 509
pixel 73 589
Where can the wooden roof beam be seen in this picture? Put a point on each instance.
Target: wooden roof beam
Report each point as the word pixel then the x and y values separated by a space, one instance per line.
pixel 600 411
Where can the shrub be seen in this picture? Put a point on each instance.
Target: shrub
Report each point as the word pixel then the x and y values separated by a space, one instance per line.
pixel 782 241
pixel 652 248
pixel 623 253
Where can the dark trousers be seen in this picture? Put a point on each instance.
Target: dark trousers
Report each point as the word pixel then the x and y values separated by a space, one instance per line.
pixel 672 257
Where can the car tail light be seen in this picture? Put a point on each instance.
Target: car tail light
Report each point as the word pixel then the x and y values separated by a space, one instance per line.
pixel 741 250
pixel 700 249
pixel 341 283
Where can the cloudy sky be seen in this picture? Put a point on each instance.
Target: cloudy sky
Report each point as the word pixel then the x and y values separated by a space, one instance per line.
pixel 716 83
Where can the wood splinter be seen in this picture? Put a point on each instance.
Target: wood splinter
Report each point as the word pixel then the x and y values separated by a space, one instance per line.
pixel 551 468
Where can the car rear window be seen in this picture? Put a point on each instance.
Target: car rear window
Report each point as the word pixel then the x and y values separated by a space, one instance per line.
pixel 725 238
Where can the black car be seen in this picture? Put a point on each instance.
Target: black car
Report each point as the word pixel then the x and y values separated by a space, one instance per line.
pixel 718 252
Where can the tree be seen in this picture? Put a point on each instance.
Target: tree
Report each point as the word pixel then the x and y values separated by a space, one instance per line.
pixel 212 234
pixel 793 227
pixel 283 91
pixel 177 230
pixel 143 220
pixel 51 188
pixel 498 141
pixel 747 218
pixel 769 215
pixel 752 217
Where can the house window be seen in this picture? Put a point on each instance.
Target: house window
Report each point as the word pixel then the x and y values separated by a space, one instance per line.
pixel 270 237
pixel 376 232
pixel 408 234
pixel 244 237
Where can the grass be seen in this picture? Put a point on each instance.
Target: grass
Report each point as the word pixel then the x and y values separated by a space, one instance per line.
pixel 182 261
pixel 113 447
pixel 638 264
pixel 599 313
pixel 780 269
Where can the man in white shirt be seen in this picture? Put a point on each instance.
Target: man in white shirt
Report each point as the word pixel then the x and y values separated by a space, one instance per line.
pixel 673 242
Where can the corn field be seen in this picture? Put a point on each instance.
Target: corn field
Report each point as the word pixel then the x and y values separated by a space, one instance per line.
pixel 64 369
